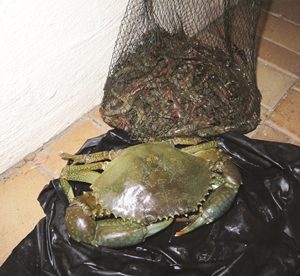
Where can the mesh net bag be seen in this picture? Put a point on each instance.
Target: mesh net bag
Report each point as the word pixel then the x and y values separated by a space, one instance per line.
pixel 184 68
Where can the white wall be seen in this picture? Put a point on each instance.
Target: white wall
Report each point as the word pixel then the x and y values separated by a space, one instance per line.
pixel 54 58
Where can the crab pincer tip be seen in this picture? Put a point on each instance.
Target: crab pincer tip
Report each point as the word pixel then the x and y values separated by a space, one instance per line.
pixel 179 233
pixel 63 155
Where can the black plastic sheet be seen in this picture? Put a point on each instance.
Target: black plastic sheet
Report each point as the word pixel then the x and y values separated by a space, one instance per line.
pixel 259 235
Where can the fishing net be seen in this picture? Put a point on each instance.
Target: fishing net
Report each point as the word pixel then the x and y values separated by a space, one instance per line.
pixel 184 68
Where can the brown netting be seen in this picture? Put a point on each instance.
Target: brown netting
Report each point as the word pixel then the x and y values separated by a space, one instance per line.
pixel 184 68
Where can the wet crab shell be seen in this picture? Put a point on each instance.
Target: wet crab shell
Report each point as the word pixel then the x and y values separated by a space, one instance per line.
pixel 152 181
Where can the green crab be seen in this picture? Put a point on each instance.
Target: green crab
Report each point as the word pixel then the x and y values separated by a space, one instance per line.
pixel 143 188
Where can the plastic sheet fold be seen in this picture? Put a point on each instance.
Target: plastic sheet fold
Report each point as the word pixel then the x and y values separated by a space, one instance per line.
pixel 259 235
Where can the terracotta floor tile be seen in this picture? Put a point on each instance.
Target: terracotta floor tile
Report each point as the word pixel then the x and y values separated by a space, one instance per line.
pixel 279 56
pixel 95 115
pixel 297 143
pixel 263 112
pixel 69 142
pixel 272 84
pixel 263 115
pixel 297 85
pixel 20 210
pixel 264 132
pixel 289 10
pixel 280 31
pixel 287 113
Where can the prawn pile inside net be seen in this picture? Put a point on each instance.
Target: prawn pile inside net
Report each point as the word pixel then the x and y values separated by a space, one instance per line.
pixel 213 39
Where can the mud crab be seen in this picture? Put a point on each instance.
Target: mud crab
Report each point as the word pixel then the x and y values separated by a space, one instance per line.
pixel 144 188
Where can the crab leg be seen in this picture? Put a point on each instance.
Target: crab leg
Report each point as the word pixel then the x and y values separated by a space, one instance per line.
pixel 91 157
pixel 200 147
pixel 112 154
pixel 216 205
pixel 101 165
pixel 113 232
pixel 67 188
pixel 185 140
pixel 82 173
pixel 74 173
pixel 219 201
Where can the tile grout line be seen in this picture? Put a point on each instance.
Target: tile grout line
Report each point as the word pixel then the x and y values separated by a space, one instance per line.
pixel 94 121
pixel 99 123
pixel 271 109
pixel 296 88
pixel 283 96
pixel 282 130
pixel 282 17
pixel 89 117
pixel 42 168
pixel 13 169
pixel 277 68
pixel 280 45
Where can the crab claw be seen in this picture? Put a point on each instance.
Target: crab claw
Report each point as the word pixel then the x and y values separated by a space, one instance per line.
pixel 117 233
pixel 216 205
pixel 79 222
pixel 111 232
